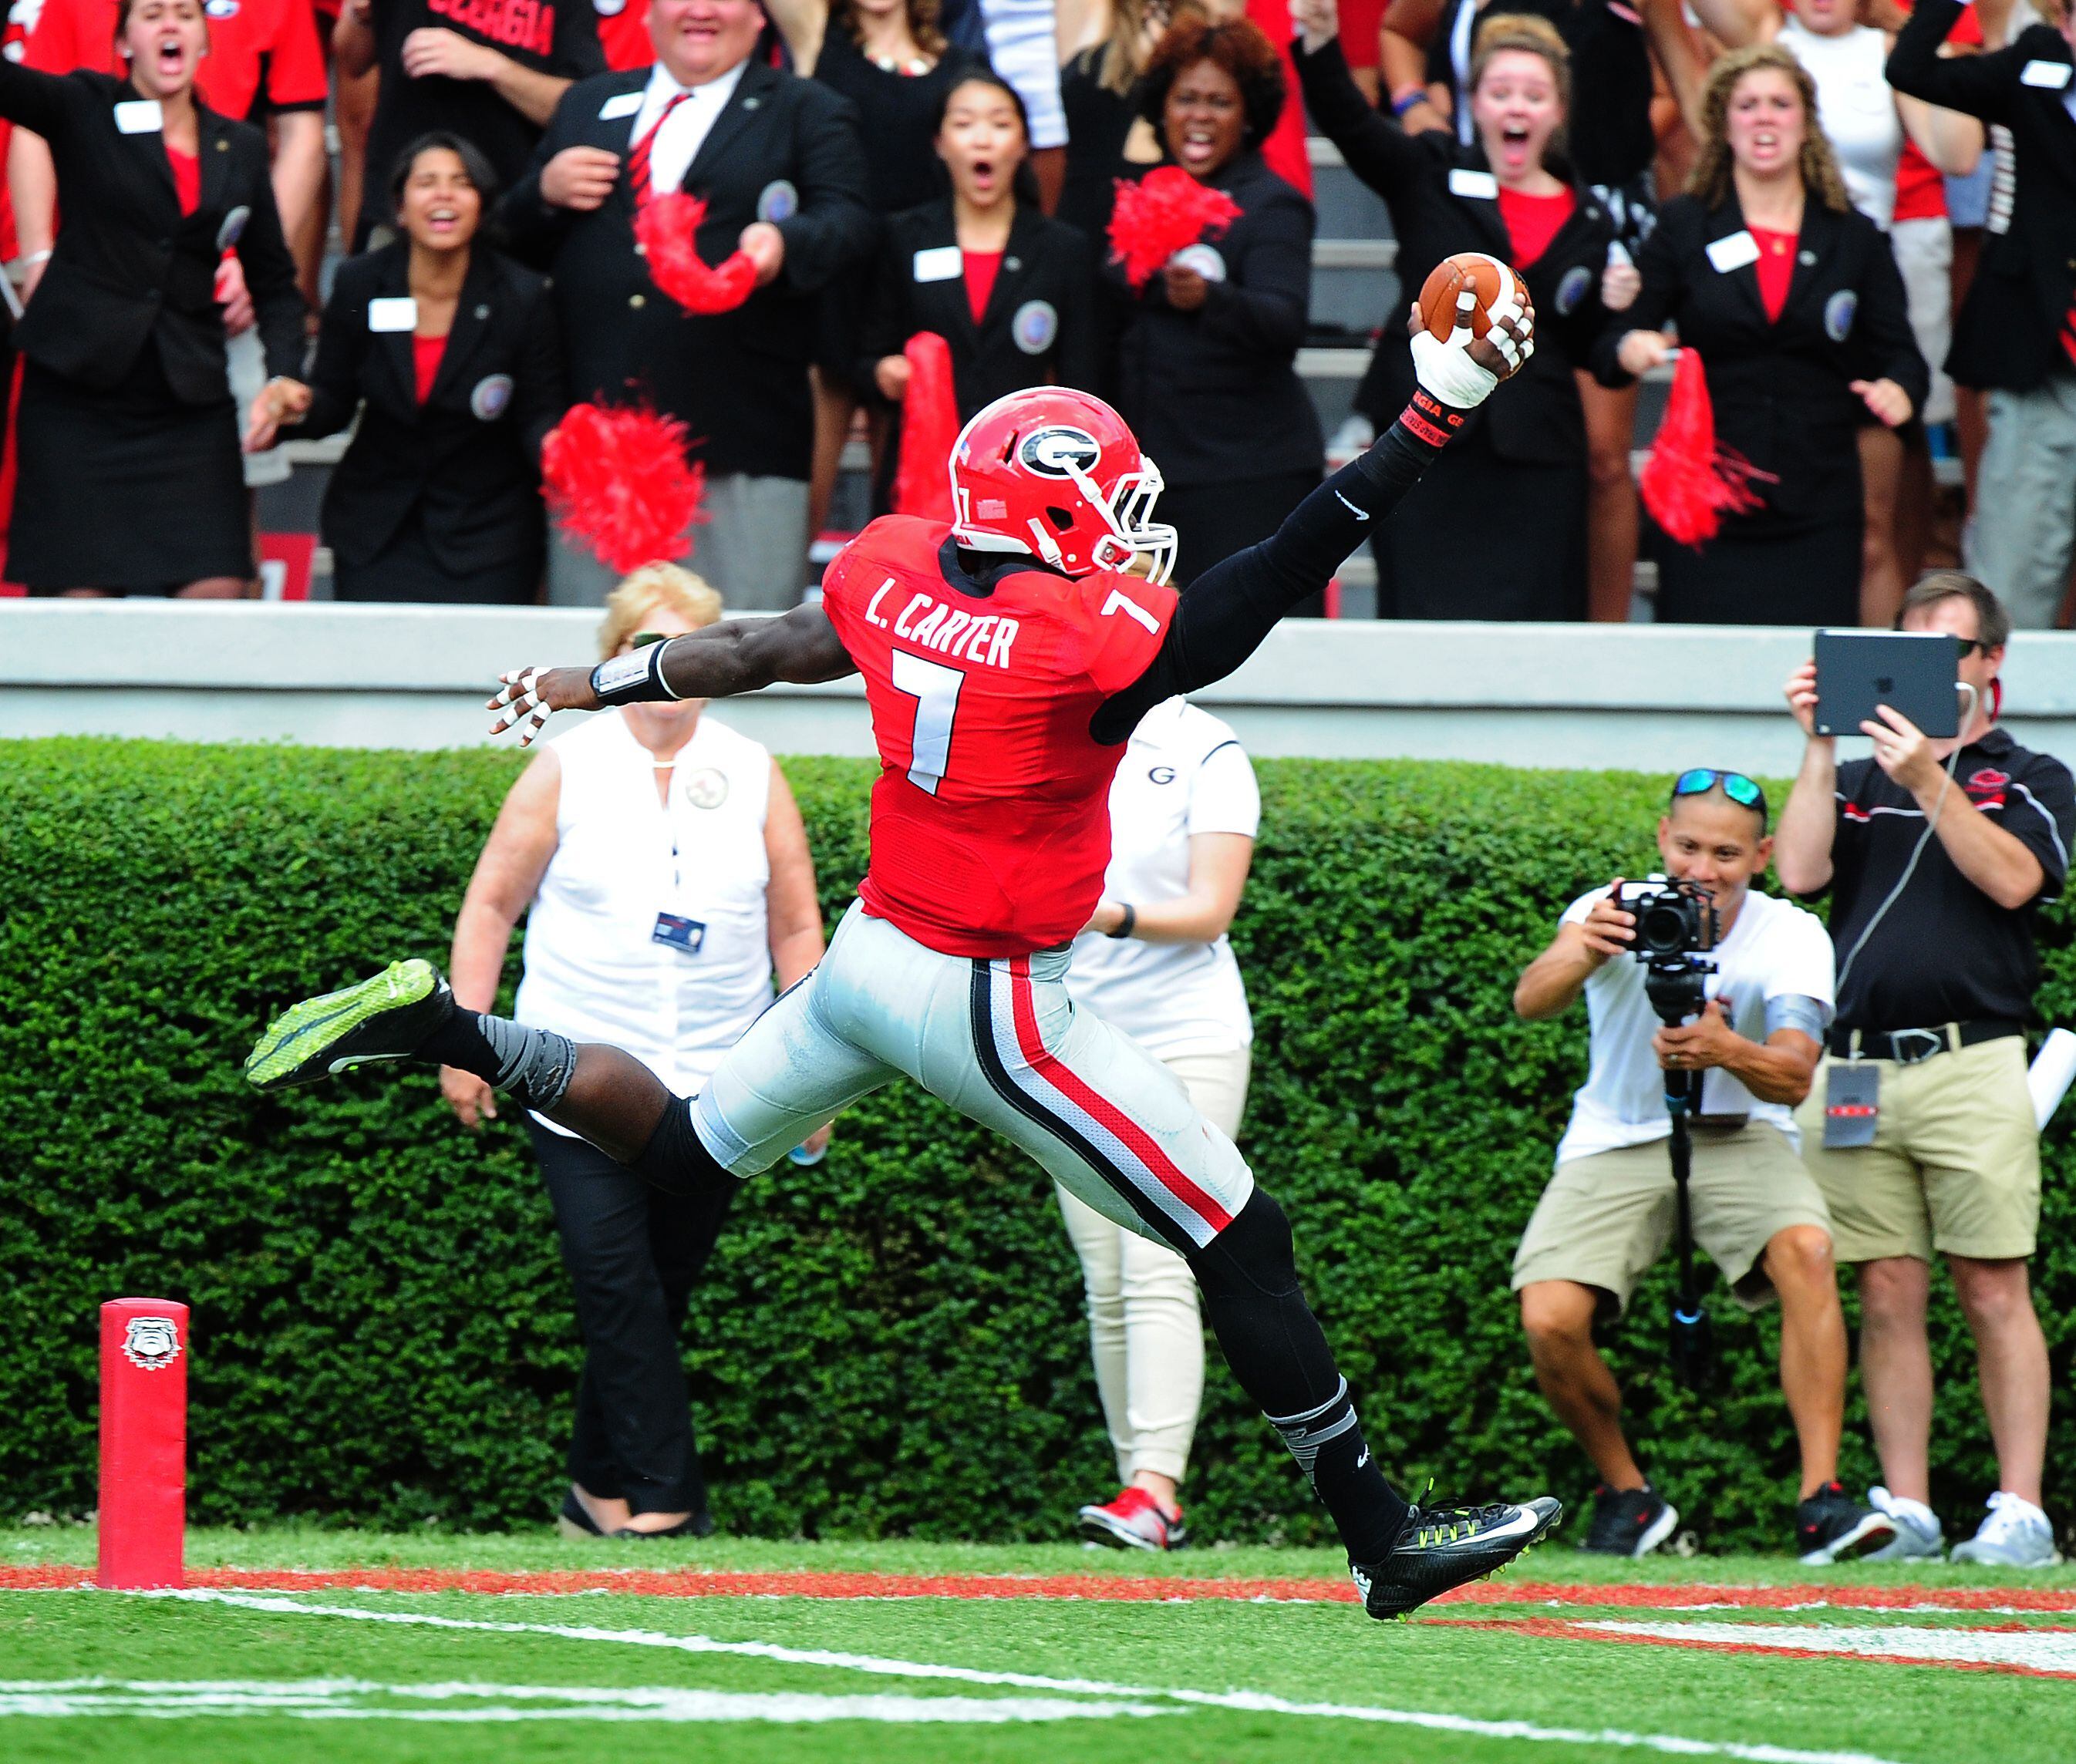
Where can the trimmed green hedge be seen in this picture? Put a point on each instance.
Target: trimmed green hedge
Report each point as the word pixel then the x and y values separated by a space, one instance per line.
pixel 889 1343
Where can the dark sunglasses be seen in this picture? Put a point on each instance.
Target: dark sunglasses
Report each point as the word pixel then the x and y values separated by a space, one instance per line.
pixel 1736 785
pixel 642 639
pixel 1971 645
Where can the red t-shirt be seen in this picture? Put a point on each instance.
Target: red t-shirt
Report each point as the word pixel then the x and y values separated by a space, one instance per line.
pixel 1532 222
pixel 623 33
pixel 1920 191
pixel 425 354
pixel 263 54
pixel 990 820
pixel 1775 268
pixel 187 178
pixel 982 267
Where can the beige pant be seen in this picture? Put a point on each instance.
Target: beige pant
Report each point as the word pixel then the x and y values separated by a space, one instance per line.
pixel 1143 1328
pixel 1955 1163
pixel 1604 1219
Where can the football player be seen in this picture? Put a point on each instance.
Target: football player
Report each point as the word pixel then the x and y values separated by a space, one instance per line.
pixel 1007 657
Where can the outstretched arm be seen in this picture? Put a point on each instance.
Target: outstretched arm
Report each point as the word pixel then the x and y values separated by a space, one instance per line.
pixel 1223 615
pixel 722 661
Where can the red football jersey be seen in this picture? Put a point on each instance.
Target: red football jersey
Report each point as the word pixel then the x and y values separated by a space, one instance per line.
pixel 990 821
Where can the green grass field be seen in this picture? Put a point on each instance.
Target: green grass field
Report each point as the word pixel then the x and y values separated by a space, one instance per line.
pixel 273 1654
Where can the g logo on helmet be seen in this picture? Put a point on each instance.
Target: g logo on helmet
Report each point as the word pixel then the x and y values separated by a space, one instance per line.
pixel 152 1342
pixel 1059 451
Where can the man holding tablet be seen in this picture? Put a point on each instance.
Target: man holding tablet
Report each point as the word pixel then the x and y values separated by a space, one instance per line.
pixel 1919 1128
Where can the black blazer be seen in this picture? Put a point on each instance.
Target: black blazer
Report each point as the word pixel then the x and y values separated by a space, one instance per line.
pixel 468 458
pixel 738 379
pixel 1214 395
pixel 1782 392
pixel 1432 184
pixel 128 266
pixel 2008 335
pixel 1040 326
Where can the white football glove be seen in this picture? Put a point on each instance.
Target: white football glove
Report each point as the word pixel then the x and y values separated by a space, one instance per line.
pixel 1445 369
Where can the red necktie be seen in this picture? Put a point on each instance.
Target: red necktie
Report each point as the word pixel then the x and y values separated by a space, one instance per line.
pixel 637 158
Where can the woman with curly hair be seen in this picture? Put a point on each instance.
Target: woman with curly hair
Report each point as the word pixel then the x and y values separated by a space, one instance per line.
pixel 1791 298
pixel 1206 367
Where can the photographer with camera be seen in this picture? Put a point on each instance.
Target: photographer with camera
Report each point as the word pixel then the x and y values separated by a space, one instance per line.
pixel 1920 1130
pixel 1753 974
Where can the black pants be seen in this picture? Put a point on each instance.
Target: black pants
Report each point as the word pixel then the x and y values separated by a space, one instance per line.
pixel 1804 579
pixel 632 1252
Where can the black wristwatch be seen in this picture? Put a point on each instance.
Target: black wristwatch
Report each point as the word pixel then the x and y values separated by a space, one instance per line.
pixel 1124 925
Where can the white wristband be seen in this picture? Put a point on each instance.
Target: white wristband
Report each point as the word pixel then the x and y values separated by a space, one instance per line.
pixel 1447 371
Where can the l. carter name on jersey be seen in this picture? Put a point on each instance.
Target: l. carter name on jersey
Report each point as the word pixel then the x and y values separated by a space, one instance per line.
pixel 927 622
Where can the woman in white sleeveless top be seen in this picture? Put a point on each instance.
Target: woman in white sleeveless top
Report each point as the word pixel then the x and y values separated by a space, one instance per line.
pixel 1154 962
pixel 664 871
pixel 1867 120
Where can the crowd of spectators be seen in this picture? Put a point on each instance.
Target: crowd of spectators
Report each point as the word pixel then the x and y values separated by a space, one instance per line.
pixel 1858 218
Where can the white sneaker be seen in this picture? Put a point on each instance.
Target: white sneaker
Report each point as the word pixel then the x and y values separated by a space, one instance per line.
pixel 1918 1535
pixel 2016 1534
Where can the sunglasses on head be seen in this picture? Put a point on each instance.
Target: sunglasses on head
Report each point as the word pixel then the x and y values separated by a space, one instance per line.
pixel 1736 785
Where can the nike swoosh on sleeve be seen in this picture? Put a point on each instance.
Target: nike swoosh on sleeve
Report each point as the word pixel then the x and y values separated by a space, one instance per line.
pixel 1360 514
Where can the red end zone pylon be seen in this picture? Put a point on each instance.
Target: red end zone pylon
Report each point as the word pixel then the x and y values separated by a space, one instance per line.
pixel 143 1441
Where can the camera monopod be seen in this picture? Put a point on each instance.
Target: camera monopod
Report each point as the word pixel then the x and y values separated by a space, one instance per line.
pixel 1675 921
pixel 1691 1343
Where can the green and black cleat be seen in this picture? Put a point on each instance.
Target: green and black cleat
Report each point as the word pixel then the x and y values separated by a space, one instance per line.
pixel 1443 1547
pixel 385 1018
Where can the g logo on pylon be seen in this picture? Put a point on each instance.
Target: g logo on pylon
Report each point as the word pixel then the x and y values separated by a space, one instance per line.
pixel 152 1342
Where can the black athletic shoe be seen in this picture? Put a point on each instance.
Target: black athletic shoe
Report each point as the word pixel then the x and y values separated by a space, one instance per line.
pixel 1443 1547
pixel 1629 1521
pixel 384 1018
pixel 1831 1526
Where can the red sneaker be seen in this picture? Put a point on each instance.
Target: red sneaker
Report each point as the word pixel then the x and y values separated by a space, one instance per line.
pixel 1133 1521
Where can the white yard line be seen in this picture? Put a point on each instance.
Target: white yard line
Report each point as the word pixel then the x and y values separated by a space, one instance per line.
pixel 1254 1702
pixel 2045 1650
pixel 354 1700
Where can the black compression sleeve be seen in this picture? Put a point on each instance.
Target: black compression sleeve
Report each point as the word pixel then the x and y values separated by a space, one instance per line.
pixel 1223 615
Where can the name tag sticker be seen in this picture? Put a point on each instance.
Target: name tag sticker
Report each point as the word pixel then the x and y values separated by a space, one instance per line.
pixel 626 104
pixel 392 312
pixel 1733 252
pixel 1852 1106
pixel 2049 75
pixel 146 116
pixel 939 263
pixel 1474 184
pixel 680 933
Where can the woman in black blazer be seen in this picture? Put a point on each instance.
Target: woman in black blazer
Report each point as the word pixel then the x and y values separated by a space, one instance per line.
pixel 1498 530
pixel 1206 373
pixel 1791 297
pixel 129 478
pixel 450 353
pixel 1011 291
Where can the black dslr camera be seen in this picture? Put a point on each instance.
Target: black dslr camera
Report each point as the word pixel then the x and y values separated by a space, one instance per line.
pixel 1676 925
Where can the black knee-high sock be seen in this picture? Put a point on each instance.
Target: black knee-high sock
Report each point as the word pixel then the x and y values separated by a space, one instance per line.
pixel 532 1066
pixel 1248 1275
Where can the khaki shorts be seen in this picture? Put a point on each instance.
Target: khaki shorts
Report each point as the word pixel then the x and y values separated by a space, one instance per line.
pixel 1955 1163
pixel 1604 1220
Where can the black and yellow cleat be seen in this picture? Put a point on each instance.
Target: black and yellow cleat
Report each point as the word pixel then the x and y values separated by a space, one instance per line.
pixel 384 1018
pixel 1443 1547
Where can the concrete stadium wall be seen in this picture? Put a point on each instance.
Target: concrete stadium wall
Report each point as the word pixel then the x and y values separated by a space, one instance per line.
pixel 1638 697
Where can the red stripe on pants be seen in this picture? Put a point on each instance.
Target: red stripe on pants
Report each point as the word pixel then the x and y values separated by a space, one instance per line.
pixel 1142 1144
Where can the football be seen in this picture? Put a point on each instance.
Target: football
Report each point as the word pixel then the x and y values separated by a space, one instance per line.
pixel 1490 279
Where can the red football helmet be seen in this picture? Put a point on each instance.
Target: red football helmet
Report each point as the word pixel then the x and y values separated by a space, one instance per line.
pixel 1056 473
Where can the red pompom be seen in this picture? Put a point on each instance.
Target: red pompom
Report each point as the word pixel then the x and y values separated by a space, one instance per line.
pixel 667 230
pixel 929 426
pixel 1690 483
pixel 617 479
pixel 1164 212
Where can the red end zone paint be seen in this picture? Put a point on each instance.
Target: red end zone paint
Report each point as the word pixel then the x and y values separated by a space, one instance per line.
pixel 696 1583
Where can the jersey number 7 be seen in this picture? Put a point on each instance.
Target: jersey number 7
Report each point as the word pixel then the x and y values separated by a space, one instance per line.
pixel 935 688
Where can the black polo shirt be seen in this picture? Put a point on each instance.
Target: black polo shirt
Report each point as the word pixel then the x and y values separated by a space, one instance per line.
pixel 1945 952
